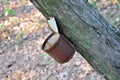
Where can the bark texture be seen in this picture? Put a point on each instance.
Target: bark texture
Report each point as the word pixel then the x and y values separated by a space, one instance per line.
pixel 96 39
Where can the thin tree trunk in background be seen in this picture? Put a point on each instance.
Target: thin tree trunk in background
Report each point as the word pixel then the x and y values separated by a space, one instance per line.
pixel 94 38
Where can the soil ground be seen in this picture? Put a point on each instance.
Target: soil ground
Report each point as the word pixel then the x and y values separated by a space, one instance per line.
pixel 21 37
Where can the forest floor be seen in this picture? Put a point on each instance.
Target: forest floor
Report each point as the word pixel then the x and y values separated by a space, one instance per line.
pixel 21 37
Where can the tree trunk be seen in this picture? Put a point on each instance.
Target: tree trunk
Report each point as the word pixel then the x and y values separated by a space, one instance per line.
pixel 94 38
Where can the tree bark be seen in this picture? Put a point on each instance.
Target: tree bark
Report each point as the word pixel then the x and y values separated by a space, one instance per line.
pixel 93 37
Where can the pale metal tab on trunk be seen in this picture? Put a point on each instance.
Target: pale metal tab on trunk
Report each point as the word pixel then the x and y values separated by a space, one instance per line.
pixel 52 24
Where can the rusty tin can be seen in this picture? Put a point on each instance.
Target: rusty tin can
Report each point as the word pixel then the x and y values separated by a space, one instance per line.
pixel 58 47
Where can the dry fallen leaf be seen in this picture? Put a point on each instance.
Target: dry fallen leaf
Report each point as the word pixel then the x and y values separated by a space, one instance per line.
pixel 114 1
pixel 5 34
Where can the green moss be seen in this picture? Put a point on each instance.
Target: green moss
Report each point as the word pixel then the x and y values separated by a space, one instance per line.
pixel 51 2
